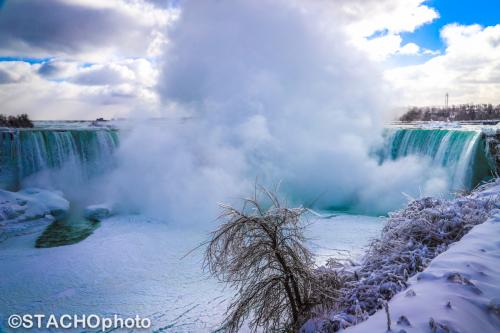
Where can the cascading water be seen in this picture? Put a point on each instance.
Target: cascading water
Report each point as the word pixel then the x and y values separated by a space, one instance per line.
pixel 458 151
pixel 27 152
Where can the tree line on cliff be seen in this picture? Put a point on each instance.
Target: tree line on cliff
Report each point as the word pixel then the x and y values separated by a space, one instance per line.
pixel 19 121
pixel 463 112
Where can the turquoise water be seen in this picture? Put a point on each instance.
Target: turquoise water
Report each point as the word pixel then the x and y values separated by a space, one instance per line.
pixel 83 150
pixel 460 152
pixel 26 152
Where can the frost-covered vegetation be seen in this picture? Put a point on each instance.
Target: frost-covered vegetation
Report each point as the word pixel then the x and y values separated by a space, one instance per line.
pixel 260 252
pixel 20 121
pixel 462 112
pixel 411 238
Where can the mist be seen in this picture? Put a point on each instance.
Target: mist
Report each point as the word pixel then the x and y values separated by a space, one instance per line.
pixel 267 91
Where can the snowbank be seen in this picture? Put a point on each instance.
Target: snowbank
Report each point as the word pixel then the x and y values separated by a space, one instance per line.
pixel 440 125
pixel 20 211
pixel 411 238
pixel 458 292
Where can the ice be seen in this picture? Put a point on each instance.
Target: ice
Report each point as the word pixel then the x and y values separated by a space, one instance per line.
pixel 32 207
pixel 132 265
pixel 342 236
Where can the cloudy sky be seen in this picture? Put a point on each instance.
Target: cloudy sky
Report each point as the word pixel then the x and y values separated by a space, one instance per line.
pixel 82 59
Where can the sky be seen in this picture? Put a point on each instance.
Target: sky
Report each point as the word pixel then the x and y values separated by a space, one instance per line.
pixel 84 59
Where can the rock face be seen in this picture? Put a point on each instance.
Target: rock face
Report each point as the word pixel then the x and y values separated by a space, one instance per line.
pixel 493 148
pixel 97 212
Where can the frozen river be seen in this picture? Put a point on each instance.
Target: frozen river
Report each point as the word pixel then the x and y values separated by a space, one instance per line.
pixel 133 265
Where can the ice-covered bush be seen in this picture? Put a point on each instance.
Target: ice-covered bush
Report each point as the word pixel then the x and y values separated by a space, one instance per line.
pixel 260 251
pixel 411 238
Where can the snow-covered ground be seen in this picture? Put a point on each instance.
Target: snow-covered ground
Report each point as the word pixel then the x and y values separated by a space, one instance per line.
pixel 454 283
pixel 134 265
pixel 458 292
pixel 130 265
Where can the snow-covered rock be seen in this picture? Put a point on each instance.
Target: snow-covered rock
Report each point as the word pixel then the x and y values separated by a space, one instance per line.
pixel 97 212
pixel 29 207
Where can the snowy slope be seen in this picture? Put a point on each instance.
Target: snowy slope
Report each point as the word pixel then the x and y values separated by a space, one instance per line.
pixel 458 292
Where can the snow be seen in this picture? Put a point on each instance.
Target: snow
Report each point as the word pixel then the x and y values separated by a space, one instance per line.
pixel 441 124
pixel 132 265
pixel 426 240
pixel 21 211
pixel 458 292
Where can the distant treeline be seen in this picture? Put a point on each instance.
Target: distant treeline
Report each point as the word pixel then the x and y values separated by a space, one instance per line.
pixel 462 112
pixel 19 121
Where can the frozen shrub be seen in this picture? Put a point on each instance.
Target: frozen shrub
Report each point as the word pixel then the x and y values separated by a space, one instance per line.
pixel 259 251
pixel 411 238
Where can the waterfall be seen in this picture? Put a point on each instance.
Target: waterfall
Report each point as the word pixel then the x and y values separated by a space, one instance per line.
pixel 457 151
pixel 26 152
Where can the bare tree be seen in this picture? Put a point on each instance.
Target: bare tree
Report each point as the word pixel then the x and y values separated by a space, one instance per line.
pixel 259 251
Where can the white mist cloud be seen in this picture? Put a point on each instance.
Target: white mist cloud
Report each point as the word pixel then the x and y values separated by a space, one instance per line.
pixel 272 95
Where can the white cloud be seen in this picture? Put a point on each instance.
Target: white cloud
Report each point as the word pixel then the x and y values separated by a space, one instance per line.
pixel 469 69
pixel 395 16
pixel 431 52
pixel 381 48
pixel 88 30
pixel 108 74
pixel 58 69
pixel 102 57
pixel 15 72
pixel 410 48
pixel 106 52
pixel 67 90
pixel 388 19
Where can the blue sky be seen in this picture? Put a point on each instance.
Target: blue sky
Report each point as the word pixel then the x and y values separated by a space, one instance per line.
pixel 465 12
pixel 24 59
